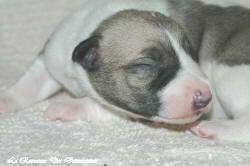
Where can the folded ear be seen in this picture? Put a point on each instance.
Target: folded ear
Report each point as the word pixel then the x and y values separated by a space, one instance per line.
pixel 86 53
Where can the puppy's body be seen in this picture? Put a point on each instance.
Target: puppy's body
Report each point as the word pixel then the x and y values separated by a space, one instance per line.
pixel 122 59
pixel 135 61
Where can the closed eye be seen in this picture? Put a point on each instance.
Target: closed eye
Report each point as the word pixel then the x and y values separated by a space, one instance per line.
pixel 137 67
pixel 153 53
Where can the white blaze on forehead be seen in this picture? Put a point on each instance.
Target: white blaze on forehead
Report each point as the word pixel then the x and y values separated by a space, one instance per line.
pixel 187 63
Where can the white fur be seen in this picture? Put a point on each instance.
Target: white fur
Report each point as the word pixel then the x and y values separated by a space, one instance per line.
pixel 232 88
pixel 35 85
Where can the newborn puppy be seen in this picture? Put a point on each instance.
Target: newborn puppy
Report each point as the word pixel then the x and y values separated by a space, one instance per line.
pixel 222 38
pixel 121 57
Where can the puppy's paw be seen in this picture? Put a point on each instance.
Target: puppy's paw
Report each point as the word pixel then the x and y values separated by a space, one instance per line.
pixel 230 130
pixel 209 129
pixel 7 104
pixel 85 109
pixel 64 112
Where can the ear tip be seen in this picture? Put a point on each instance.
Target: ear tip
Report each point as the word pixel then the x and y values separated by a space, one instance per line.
pixel 74 55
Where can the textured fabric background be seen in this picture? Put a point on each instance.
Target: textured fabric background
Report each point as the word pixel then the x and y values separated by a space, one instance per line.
pixel 24 27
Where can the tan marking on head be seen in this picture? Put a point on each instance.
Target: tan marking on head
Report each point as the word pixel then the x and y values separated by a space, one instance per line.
pixel 128 32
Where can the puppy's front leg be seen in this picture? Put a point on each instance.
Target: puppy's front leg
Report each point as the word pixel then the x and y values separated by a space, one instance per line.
pixel 233 130
pixel 34 86
pixel 79 109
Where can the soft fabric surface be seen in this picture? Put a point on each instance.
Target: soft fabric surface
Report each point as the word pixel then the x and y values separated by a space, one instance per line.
pixel 24 27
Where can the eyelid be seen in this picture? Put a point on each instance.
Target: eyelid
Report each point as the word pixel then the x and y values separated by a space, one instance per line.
pixel 144 61
pixel 143 64
pixel 154 53
pixel 136 65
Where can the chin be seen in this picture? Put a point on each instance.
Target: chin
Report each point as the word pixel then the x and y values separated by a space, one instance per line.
pixel 178 121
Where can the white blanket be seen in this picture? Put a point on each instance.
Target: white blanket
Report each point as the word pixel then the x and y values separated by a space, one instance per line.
pixel 24 27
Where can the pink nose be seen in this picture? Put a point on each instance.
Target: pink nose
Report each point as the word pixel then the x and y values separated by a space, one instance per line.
pixel 201 99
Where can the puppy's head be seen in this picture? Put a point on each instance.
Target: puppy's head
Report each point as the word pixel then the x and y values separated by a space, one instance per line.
pixel 143 63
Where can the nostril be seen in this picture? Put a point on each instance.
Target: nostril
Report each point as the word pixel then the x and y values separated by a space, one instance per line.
pixel 198 95
pixel 200 101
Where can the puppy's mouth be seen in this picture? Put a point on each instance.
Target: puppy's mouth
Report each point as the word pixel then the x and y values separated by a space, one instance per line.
pixel 184 120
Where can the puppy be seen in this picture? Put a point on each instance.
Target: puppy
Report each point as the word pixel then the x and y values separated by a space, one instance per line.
pixel 117 57
pixel 221 36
